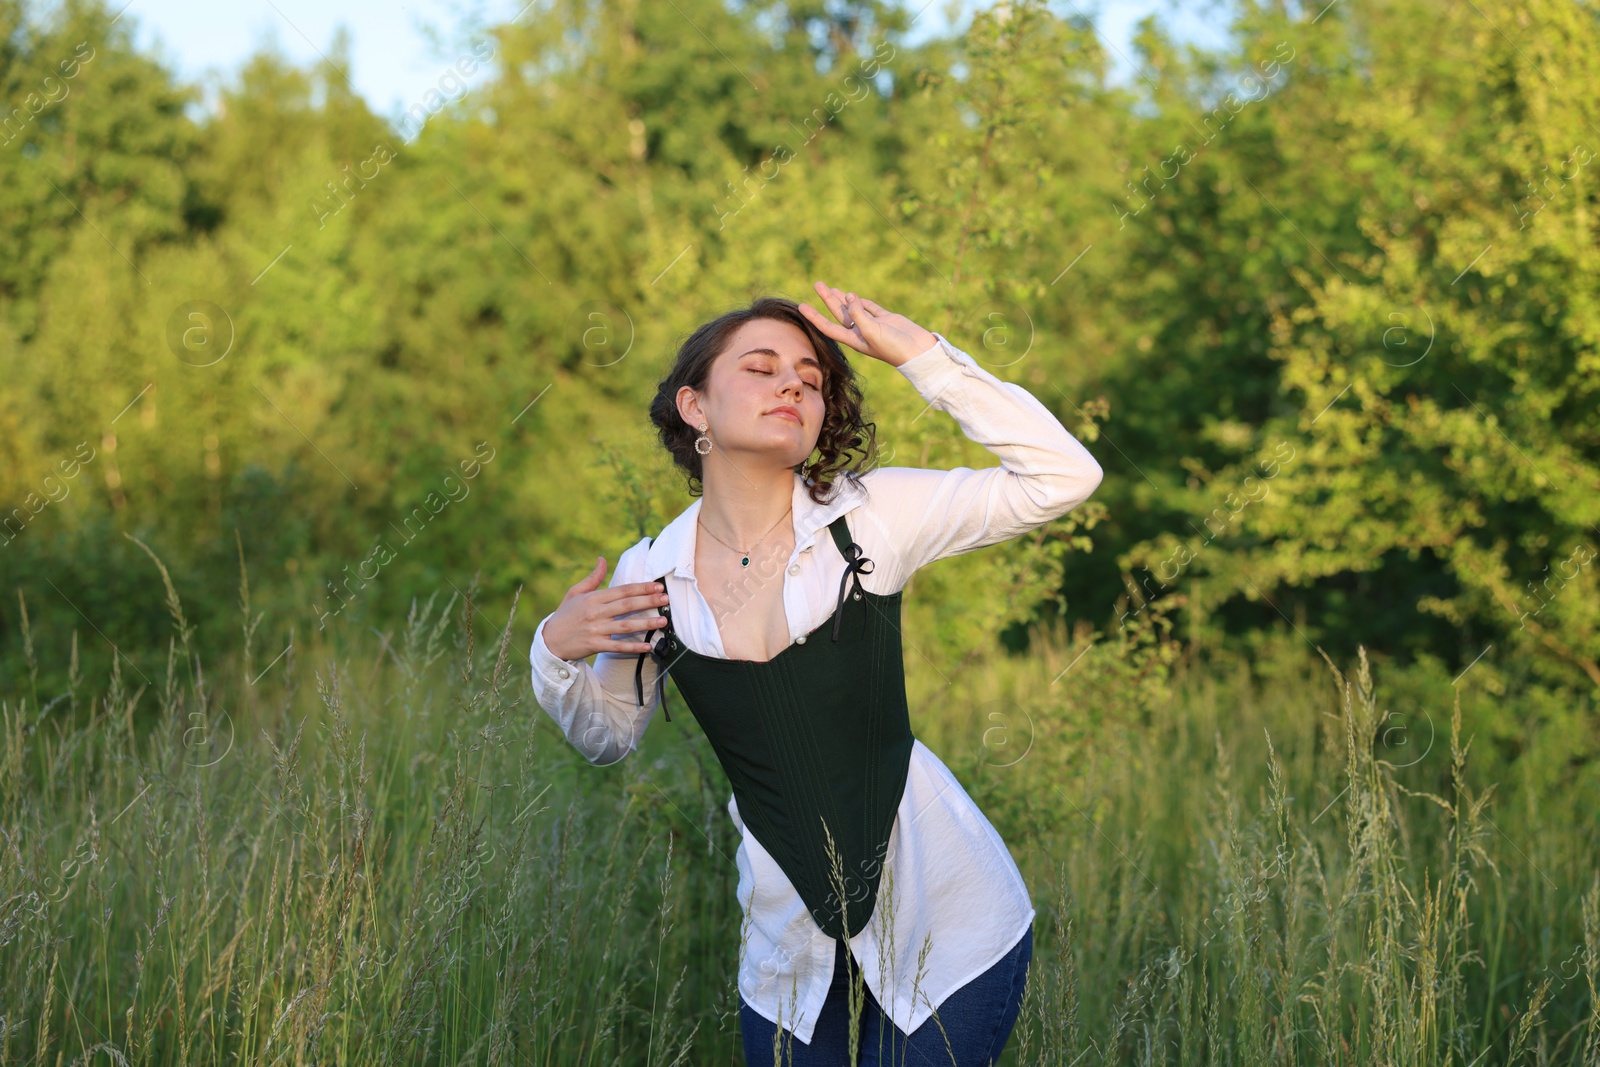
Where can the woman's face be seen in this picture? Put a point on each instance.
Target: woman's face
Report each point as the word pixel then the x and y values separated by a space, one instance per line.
pixel 768 366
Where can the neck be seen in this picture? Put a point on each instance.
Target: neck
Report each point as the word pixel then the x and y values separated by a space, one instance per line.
pixel 741 506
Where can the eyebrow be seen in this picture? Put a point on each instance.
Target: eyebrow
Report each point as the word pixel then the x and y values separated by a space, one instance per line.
pixel 809 361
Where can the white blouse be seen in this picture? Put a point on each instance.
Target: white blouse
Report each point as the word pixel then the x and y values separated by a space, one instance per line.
pixel 956 888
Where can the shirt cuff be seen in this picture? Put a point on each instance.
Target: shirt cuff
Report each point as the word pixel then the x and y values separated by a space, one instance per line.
pixel 932 371
pixel 555 672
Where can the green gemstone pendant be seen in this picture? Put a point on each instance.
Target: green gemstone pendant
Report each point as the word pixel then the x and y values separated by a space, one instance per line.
pixel 744 561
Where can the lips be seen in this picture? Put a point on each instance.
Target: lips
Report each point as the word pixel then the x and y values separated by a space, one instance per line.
pixel 785 412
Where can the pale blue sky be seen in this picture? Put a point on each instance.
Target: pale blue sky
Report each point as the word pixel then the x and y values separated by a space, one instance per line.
pixel 395 59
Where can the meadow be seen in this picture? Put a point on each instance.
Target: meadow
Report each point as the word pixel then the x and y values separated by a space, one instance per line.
pixel 308 414
pixel 383 851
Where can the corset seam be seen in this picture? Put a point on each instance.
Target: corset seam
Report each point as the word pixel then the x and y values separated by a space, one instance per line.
pixel 802 736
pixel 788 754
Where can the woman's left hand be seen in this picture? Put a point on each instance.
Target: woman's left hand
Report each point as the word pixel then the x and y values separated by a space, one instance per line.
pixel 868 328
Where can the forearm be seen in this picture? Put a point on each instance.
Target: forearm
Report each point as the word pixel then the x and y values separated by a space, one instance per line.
pixel 598 719
pixel 920 515
pixel 1050 471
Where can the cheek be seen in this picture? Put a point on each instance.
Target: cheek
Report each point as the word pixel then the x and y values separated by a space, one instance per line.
pixel 755 393
pixel 736 394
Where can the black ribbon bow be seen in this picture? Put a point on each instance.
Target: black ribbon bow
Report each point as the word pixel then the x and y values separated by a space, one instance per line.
pixel 663 652
pixel 855 565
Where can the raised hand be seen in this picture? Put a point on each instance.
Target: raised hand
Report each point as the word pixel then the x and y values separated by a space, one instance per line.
pixel 587 617
pixel 868 328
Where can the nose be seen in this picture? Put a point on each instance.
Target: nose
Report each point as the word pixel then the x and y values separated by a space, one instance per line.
pixel 790 383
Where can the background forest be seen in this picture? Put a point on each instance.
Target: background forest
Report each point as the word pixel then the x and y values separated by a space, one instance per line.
pixel 1325 307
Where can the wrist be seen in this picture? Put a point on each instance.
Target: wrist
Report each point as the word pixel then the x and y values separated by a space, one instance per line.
pixel 920 343
pixel 933 371
pixel 542 641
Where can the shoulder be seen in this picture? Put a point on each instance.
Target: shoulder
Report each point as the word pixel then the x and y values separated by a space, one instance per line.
pixel 887 491
pixel 884 514
pixel 874 493
pixel 862 490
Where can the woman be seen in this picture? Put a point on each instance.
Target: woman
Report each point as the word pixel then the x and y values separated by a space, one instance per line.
pixel 862 858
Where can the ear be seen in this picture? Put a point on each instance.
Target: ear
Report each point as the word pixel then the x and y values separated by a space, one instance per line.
pixel 689 407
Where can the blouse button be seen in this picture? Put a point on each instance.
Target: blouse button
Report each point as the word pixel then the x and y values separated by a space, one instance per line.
pixel 800 640
pixel 562 672
pixel 794 568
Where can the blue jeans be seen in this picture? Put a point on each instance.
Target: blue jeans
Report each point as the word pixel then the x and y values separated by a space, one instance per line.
pixel 976 1020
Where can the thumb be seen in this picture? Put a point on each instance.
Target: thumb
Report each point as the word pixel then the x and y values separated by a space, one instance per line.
pixel 590 581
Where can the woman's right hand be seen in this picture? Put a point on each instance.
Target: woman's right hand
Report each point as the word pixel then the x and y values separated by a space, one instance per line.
pixel 587 616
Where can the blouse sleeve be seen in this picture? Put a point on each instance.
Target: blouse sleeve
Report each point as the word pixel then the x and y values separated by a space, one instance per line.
pixel 917 515
pixel 596 706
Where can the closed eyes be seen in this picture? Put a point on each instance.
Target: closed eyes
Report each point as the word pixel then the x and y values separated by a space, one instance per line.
pixel 809 385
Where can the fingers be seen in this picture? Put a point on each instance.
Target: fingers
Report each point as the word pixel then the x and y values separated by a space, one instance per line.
pixel 611 604
pixel 859 312
pixel 639 602
pixel 642 591
pixel 827 327
pixel 830 296
pixel 622 643
pixel 835 299
pixel 817 318
pixel 851 309
pixel 853 314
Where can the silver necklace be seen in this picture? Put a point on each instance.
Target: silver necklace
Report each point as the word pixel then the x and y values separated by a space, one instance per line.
pixel 744 554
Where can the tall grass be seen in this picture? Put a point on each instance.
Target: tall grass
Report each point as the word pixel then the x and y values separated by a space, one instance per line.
pixel 382 851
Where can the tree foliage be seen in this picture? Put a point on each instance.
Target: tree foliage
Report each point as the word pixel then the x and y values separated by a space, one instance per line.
pixel 1322 304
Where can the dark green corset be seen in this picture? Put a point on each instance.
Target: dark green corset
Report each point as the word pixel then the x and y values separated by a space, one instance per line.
pixel 818 736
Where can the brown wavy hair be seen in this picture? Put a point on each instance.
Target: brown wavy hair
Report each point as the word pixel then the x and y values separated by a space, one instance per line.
pixel 844 430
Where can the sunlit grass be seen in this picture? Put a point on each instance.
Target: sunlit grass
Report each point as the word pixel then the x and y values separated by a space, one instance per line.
pixel 382 851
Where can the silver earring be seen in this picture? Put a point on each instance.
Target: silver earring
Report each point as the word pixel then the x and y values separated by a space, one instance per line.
pixel 702 440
